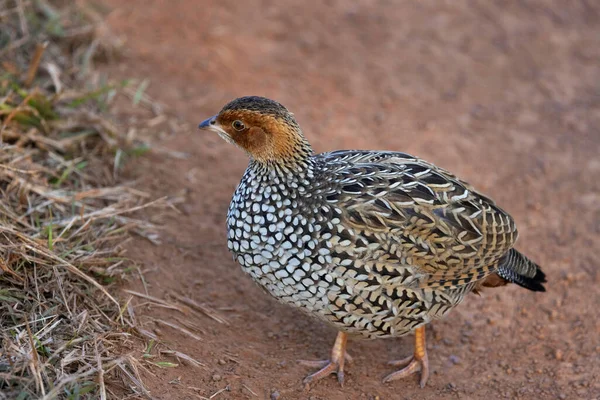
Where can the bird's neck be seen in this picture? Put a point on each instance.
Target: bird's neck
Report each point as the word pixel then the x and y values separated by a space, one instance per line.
pixel 295 162
pixel 293 171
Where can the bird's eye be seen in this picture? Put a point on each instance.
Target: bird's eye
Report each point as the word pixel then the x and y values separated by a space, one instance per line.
pixel 238 125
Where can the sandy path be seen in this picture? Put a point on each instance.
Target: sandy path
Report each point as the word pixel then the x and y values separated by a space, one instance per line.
pixel 506 98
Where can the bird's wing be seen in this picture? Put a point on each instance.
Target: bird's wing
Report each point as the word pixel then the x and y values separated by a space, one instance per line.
pixel 439 223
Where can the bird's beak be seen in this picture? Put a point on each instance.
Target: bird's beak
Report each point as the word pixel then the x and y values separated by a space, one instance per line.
pixel 208 123
pixel 211 124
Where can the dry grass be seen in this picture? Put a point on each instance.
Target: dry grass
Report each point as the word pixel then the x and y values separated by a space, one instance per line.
pixel 64 211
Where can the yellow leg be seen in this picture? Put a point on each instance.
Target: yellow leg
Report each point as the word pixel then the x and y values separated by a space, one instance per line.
pixel 333 365
pixel 417 362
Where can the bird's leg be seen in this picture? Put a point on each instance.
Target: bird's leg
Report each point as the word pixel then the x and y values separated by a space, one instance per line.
pixel 334 365
pixel 417 362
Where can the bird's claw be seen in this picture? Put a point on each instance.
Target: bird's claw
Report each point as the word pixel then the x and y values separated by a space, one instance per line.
pixel 410 365
pixel 326 367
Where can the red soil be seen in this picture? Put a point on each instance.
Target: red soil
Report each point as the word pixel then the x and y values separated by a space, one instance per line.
pixel 505 97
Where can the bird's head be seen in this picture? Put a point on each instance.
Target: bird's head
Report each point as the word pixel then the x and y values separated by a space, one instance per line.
pixel 265 129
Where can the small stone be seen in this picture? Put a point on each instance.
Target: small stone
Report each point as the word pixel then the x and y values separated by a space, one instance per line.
pixel 454 359
pixel 275 395
pixel 222 362
pixel 216 377
pixel 186 209
pixel 558 354
pixel 451 386
pixel 562 396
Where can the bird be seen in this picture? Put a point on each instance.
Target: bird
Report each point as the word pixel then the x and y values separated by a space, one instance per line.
pixel 376 244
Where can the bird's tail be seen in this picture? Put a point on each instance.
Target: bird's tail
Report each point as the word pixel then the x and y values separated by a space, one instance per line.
pixel 516 268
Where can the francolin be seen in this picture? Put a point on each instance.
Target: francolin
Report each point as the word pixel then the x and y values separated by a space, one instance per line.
pixel 375 243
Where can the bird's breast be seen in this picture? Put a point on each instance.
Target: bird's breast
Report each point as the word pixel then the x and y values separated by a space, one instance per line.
pixel 274 233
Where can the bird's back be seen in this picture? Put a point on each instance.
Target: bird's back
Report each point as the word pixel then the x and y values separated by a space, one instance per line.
pixel 436 222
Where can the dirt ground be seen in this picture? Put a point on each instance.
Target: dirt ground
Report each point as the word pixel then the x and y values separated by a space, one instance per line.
pixel 504 94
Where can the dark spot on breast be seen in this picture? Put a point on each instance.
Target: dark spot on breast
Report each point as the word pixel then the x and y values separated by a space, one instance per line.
pixel 402 295
pixel 352 188
pixel 345 235
pixel 372 281
pixel 332 197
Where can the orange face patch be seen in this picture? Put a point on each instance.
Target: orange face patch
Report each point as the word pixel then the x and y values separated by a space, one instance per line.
pixel 264 137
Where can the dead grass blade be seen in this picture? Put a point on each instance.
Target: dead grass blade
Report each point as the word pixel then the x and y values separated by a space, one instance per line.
pixel 65 210
pixel 209 312
pixel 157 301
pixel 183 356
pixel 178 328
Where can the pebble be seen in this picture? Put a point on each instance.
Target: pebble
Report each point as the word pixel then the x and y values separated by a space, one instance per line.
pixel 275 395
pixel 222 362
pixel 558 354
pixel 454 359
pixel 216 377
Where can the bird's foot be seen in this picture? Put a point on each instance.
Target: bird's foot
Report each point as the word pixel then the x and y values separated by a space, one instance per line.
pixel 415 363
pixel 410 365
pixel 327 367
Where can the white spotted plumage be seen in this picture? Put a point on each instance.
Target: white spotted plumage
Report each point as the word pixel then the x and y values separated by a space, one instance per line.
pixel 307 251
